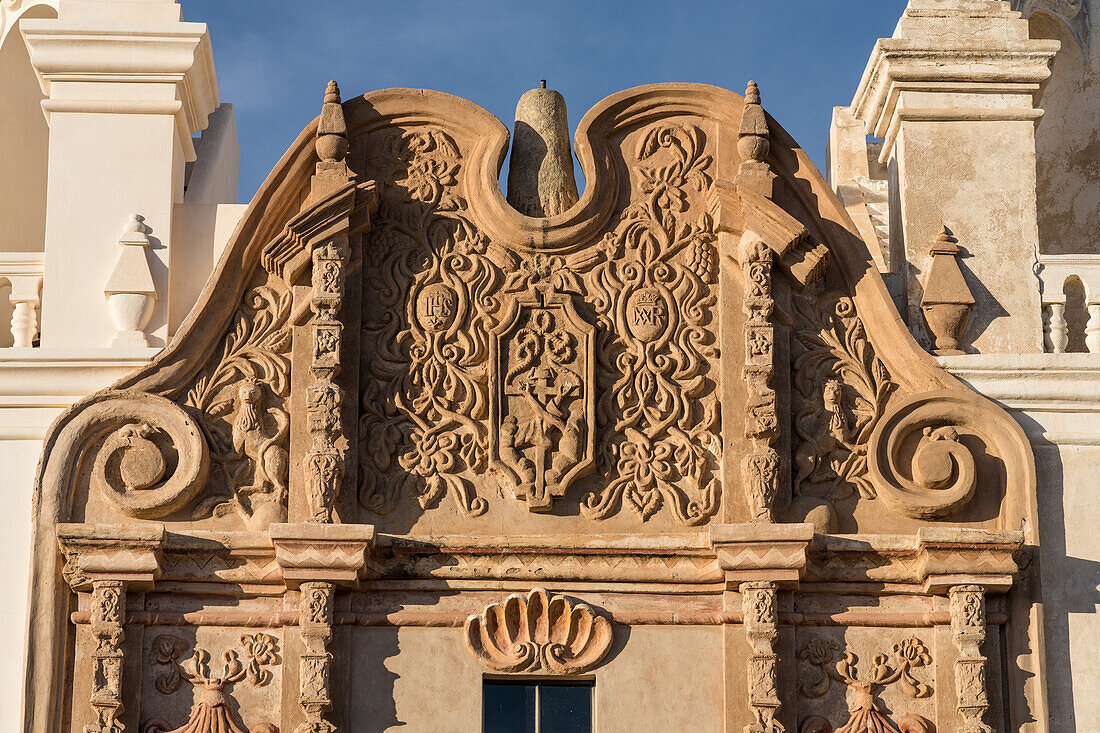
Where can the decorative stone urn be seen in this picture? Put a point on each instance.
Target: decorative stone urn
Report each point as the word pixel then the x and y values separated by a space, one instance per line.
pixel 131 293
pixel 947 301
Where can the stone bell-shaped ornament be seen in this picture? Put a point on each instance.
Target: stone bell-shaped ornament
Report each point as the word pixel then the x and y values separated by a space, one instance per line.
pixel 540 170
pixel 130 291
pixel 947 301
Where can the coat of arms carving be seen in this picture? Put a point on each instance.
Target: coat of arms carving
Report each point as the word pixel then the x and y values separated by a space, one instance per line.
pixel 542 403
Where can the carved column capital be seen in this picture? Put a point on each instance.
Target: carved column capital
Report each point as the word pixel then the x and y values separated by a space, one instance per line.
pixel 99 553
pixel 329 553
pixel 750 553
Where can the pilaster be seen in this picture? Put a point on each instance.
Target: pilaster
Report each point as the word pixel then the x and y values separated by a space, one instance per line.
pixel 127 85
pixel 951 95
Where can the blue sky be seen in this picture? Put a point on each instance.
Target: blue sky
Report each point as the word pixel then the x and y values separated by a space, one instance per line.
pixel 274 56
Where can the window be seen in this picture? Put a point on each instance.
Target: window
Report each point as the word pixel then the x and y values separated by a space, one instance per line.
pixel 537 707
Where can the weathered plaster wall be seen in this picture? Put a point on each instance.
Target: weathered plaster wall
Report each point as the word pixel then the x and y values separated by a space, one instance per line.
pixel 444 695
pixel 1056 398
pixel 1067 142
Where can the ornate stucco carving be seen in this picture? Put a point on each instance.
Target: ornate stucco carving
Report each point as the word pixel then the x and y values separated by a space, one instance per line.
pixel 538 633
pixel 212 711
pixel 866 711
pixel 700 340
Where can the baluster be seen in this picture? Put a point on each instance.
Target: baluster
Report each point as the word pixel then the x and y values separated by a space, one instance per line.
pixel 1057 331
pixel 24 299
pixel 1092 330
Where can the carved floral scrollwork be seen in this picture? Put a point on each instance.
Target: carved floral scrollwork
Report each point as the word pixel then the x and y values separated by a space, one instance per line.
pixel 866 712
pixel 840 393
pixel 212 711
pixel 659 409
pixel 538 632
pixel 426 331
pixel 240 403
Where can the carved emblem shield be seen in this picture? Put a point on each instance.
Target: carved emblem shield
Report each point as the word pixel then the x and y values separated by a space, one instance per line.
pixel 542 401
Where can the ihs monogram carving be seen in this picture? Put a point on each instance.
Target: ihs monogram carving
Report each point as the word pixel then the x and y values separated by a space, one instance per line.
pixel 425 331
pixel 240 404
pixel 541 365
pixel 840 393
pixel 866 711
pixel 212 711
pixel 542 402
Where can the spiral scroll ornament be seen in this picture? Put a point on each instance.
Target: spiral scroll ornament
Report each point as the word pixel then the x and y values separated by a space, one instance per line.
pixel 154 459
pixel 919 465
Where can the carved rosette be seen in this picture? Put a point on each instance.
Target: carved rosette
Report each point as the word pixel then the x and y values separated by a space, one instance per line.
pixel 542 404
pixel 316 628
pixel 758 600
pixel 108 615
pixel 968 632
pixel 539 633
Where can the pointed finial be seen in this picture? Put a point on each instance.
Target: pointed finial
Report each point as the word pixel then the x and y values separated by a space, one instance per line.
pixel 135 224
pixel 752 93
pixel 332 93
pixel 332 131
pixel 945 243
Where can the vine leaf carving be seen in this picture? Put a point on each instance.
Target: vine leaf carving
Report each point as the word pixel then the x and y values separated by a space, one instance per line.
pixel 840 394
pixel 240 404
pixel 659 409
pixel 866 711
pixel 211 711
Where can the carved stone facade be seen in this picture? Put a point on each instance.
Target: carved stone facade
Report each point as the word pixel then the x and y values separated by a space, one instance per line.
pixel 412 439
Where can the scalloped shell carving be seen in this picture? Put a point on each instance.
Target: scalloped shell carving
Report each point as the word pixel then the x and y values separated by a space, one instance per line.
pixel 538 632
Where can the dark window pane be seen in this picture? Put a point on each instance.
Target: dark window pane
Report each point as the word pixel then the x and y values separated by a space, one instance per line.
pixel 509 708
pixel 565 708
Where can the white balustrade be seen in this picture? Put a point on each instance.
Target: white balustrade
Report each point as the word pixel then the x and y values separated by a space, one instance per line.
pixel 1062 317
pixel 23 272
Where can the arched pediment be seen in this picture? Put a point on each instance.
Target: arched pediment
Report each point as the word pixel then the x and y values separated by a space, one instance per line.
pixel 702 338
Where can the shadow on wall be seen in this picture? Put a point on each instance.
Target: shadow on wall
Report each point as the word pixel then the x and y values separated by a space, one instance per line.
pixel 1072 584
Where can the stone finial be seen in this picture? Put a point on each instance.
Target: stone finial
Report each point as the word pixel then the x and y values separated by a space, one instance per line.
pixel 947 301
pixel 753 145
pixel 752 140
pixel 540 173
pixel 332 130
pixel 131 292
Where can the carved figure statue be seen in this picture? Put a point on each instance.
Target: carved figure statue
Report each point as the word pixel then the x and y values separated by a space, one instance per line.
pixel 259 434
pixel 827 440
